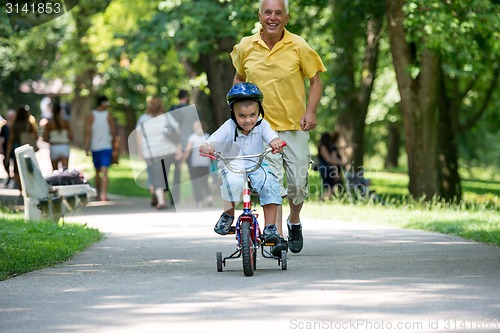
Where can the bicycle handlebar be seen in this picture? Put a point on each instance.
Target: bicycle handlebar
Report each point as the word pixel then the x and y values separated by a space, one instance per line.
pixel 226 160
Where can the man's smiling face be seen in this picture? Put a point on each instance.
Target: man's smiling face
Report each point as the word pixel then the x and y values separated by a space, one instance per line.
pixel 273 17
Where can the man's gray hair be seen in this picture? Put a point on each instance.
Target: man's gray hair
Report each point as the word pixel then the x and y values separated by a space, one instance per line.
pixel 261 2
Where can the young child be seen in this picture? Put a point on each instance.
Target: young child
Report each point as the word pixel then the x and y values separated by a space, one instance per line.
pixel 199 167
pixel 245 134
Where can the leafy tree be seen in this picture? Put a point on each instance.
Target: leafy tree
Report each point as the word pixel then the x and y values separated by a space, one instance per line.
pixel 417 70
pixel 428 40
pixel 24 57
pixel 204 33
pixel 445 55
pixel 469 73
pixel 354 67
pixel 79 64
pixel 135 60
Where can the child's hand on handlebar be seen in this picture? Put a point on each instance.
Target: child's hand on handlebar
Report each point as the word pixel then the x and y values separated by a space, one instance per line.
pixel 277 145
pixel 206 149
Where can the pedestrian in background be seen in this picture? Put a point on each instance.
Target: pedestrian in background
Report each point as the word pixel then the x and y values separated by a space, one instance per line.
pixel 58 133
pixel 10 117
pixel 330 164
pixel 23 123
pixel 199 166
pixel 100 136
pixel 157 148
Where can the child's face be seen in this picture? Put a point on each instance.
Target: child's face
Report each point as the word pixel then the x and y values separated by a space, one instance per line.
pixel 197 128
pixel 246 115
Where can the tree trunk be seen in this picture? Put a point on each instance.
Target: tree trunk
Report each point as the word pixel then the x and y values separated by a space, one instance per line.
pixel 353 98
pixel 418 104
pixel 81 105
pixel 393 145
pixel 85 67
pixel 220 74
pixel 450 188
pixel 344 72
pixel 84 94
pixel 449 179
pixel 131 121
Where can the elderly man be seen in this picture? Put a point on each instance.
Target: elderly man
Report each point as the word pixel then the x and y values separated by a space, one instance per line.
pixel 278 61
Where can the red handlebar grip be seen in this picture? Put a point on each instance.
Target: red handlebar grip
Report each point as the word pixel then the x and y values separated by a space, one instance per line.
pixel 209 156
pixel 283 143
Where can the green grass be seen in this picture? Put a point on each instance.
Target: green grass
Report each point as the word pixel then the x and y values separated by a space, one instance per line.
pixel 27 246
pixel 482 225
pixel 476 217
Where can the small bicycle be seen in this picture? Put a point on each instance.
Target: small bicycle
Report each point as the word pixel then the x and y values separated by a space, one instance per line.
pixel 248 235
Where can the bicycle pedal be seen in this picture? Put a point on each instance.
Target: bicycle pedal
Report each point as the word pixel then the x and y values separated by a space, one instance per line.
pixel 232 230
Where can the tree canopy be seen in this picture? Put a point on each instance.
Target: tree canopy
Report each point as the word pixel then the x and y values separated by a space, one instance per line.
pixel 427 69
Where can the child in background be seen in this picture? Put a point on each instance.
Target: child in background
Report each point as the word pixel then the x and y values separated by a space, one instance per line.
pixel 199 167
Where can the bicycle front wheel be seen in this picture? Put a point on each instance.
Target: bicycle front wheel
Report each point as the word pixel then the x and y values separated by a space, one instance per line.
pixel 247 249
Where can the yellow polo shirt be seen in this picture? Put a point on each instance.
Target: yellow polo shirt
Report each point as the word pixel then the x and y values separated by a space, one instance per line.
pixel 279 73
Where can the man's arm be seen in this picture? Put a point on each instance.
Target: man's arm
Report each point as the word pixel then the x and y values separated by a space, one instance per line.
pixel 308 121
pixel 239 78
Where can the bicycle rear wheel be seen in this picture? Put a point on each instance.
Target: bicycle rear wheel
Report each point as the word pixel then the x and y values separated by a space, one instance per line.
pixel 247 249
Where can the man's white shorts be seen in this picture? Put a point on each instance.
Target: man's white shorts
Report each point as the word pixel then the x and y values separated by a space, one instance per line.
pixel 294 161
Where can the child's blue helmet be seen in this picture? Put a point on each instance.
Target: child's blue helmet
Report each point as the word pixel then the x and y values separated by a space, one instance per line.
pixel 244 90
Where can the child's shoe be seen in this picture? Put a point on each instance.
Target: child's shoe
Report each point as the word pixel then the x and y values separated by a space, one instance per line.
pixel 223 226
pixel 271 234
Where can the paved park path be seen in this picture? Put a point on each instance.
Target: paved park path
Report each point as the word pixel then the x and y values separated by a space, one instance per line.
pixel 156 272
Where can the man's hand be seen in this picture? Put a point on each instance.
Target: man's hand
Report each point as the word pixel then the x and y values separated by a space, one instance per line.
pixel 308 121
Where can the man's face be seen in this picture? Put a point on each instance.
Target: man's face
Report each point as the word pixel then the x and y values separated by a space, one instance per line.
pixel 273 17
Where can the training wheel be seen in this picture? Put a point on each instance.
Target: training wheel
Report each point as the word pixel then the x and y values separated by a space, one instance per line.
pixel 219 261
pixel 283 260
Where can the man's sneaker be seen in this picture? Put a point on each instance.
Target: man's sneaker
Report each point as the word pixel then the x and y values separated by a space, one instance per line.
pixel 223 226
pixel 295 240
pixel 281 245
pixel 271 234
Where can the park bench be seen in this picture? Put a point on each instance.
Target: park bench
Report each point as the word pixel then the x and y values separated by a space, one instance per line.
pixel 41 200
